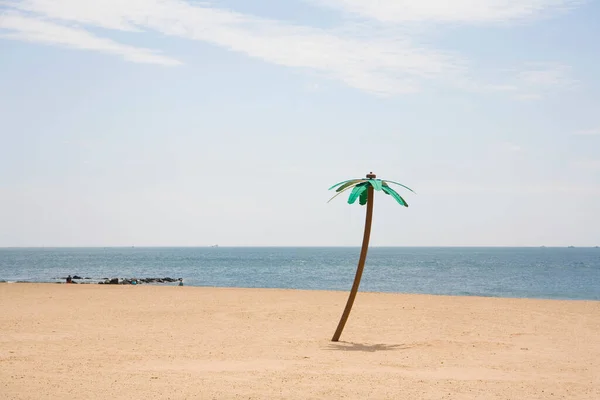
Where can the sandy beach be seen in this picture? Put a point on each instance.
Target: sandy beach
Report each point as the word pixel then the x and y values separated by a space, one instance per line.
pixel 62 341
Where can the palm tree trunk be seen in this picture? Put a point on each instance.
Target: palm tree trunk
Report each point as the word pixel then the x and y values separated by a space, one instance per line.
pixel 359 269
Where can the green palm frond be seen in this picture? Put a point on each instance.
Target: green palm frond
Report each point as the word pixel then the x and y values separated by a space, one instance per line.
pixel 364 197
pixel 340 183
pixel 395 195
pixel 399 184
pixel 360 189
pixel 357 191
pixel 376 183
pixel 343 190
pixel 349 183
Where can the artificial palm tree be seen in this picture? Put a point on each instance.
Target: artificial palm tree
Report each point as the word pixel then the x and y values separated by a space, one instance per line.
pixel 363 190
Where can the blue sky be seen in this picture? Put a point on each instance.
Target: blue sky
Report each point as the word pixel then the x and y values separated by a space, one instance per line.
pixel 189 123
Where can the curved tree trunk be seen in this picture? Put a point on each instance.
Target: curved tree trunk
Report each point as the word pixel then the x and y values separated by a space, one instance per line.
pixel 359 269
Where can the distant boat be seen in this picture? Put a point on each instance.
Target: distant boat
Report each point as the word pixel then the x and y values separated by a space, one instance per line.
pixel 571 247
pixel 215 245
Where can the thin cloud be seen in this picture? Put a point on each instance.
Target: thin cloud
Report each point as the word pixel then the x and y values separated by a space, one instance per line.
pixel 372 58
pixel 511 147
pixel 376 64
pixel 588 132
pixel 528 96
pixel 533 81
pixel 29 29
pixel 547 75
pixel 588 164
pixel 429 188
pixel 465 11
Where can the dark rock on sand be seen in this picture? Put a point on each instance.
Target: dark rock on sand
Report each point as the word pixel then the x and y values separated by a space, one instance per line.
pixel 135 281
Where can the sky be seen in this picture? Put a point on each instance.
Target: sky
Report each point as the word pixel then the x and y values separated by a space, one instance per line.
pixel 193 123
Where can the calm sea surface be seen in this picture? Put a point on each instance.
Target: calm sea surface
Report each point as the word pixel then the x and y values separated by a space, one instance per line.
pixel 553 273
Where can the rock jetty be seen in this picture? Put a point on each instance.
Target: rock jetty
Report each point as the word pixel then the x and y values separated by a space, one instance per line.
pixel 117 281
pixel 135 281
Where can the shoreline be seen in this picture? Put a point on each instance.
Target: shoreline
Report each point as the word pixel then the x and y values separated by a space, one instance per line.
pixel 172 284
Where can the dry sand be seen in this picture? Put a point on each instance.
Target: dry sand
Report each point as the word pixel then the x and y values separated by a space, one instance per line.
pixel 140 342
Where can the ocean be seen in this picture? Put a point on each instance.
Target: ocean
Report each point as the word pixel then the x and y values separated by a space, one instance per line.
pixel 547 273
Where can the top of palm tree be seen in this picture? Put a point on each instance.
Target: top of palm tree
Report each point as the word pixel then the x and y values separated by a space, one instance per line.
pixel 359 189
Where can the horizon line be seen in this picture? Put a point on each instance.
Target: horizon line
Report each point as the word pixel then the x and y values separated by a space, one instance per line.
pixel 291 246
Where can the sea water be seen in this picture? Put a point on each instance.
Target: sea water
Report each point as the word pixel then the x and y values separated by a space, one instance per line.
pixel 552 273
